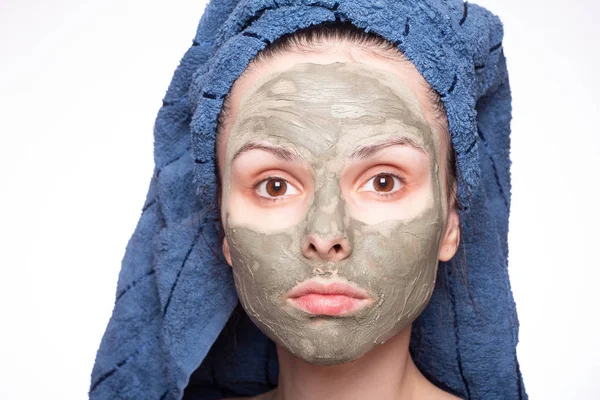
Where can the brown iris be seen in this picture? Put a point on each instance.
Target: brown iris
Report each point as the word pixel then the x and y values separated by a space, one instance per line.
pixel 276 187
pixel 383 183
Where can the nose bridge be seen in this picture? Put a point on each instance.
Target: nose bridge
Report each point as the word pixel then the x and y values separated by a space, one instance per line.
pixel 327 214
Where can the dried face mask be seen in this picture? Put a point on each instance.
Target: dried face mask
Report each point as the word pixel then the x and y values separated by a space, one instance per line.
pixel 320 124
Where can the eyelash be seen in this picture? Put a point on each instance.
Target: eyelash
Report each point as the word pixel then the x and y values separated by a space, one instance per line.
pixel 271 199
pixel 280 198
pixel 385 195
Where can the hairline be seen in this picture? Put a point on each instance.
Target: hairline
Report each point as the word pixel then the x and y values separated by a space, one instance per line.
pixel 377 46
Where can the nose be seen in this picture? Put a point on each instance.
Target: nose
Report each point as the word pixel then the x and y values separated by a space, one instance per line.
pixel 318 248
pixel 325 238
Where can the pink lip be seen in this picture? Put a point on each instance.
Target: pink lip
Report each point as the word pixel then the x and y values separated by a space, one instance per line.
pixel 330 298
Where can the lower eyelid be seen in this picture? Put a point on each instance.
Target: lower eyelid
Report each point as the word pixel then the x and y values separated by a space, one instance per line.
pixel 257 185
pixel 400 180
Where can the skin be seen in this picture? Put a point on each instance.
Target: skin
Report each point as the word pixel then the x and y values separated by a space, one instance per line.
pixel 325 128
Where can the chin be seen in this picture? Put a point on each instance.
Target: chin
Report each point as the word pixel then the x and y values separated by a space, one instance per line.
pixel 328 352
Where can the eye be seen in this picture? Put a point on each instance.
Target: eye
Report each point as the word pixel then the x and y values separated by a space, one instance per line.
pixel 382 183
pixel 275 187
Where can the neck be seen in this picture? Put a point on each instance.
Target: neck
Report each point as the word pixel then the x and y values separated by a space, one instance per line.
pixel 386 372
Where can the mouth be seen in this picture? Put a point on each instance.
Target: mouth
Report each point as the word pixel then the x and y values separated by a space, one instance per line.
pixel 334 297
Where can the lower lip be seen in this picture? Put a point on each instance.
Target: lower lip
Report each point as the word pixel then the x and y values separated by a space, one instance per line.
pixel 331 304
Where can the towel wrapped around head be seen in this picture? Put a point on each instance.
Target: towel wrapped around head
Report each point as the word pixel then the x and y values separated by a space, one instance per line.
pixel 176 332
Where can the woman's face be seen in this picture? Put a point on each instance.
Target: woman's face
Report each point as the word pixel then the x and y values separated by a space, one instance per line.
pixel 333 201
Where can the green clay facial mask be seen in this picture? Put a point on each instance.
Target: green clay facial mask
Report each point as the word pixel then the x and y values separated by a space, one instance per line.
pixel 334 266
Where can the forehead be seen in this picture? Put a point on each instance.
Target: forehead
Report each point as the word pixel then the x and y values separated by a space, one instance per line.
pixel 323 107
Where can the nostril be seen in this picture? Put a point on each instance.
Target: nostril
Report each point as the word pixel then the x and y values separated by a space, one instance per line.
pixel 334 249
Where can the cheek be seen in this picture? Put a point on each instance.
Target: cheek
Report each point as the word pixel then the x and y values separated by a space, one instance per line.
pixel 246 210
pixel 411 201
pixel 399 257
pixel 269 263
pixel 399 268
pixel 265 268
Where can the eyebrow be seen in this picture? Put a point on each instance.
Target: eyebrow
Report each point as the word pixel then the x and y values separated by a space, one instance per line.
pixel 278 151
pixel 368 151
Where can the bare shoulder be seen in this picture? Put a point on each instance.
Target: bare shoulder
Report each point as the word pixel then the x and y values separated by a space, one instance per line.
pixel 425 390
pixel 448 396
pixel 438 394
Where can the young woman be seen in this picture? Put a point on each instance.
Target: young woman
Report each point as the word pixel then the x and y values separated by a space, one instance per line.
pixel 338 192
pixel 359 153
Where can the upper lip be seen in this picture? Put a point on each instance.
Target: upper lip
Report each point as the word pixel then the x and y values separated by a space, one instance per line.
pixel 327 287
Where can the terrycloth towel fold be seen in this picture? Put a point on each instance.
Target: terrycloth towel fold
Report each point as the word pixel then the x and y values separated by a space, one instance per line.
pixel 169 332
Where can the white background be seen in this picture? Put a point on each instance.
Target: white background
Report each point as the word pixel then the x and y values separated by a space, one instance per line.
pixel 80 85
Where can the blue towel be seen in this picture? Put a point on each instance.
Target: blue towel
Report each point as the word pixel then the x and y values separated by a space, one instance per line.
pixel 177 330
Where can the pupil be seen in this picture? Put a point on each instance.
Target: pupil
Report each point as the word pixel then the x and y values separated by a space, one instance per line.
pixel 276 187
pixel 384 183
